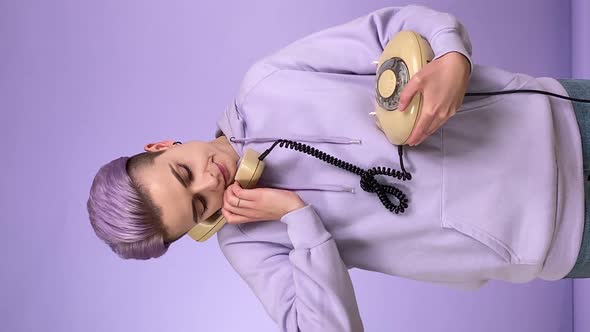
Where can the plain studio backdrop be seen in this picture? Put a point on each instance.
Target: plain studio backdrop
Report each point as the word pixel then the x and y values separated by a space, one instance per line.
pixel 84 82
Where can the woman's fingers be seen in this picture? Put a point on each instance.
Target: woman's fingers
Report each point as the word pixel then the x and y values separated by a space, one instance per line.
pixel 443 83
pixel 408 92
pixel 442 118
pixel 436 123
pixel 258 204
pixel 424 121
pixel 233 218
pixel 230 200
pixel 245 194
pixel 235 202
pixel 237 194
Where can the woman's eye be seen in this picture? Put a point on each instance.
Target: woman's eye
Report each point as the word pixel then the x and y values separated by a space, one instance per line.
pixel 190 179
pixel 188 172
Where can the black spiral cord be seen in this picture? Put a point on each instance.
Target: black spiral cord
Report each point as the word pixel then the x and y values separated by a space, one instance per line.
pixel 368 181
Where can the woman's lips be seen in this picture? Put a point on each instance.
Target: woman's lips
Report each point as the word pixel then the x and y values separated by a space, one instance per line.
pixel 223 172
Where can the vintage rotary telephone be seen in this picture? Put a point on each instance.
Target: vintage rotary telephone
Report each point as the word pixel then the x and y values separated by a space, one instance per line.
pixel 405 54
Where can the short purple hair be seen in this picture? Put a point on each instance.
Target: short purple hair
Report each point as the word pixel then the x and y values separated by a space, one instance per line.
pixel 122 213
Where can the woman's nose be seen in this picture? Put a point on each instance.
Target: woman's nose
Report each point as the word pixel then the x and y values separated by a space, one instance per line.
pixel 207 182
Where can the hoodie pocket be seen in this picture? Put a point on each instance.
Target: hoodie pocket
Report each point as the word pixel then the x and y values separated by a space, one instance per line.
pixel 471 230
pixel 463 204
pixel 496 189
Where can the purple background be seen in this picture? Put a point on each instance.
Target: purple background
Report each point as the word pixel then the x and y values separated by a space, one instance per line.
pixel 84 82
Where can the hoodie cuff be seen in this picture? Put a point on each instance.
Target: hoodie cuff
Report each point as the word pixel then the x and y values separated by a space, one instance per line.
pixel 305 228
pixel 449 41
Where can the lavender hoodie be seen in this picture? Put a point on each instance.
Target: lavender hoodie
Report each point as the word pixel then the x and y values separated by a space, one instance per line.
pixel 497 192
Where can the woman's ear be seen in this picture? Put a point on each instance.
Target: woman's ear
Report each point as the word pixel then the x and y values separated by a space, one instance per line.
pixel 158 146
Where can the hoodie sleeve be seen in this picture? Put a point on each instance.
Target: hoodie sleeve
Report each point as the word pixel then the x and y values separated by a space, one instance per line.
pixel 353 46
pixel 303 288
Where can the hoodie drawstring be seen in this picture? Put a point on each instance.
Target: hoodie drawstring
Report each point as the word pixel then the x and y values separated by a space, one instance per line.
pixel 368 181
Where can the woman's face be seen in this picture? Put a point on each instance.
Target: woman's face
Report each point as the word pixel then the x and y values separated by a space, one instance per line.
pixel 187 181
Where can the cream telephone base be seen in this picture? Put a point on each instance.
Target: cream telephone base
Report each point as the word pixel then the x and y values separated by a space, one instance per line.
pixel 404 55
pixel 249 172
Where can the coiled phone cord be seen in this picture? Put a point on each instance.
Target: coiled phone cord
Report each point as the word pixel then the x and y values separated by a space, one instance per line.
pixel 368 181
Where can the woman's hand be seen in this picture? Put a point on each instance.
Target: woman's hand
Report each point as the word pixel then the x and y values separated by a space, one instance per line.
pixel 257 204
pixel 443 83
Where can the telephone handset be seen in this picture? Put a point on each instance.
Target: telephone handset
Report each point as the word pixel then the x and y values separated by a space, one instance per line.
pixel 249 171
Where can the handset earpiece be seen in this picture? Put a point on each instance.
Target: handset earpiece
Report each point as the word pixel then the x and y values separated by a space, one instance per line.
pixel 249 171
pixel 404 55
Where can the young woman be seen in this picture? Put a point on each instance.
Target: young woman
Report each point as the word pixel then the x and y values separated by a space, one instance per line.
pixel 497 188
